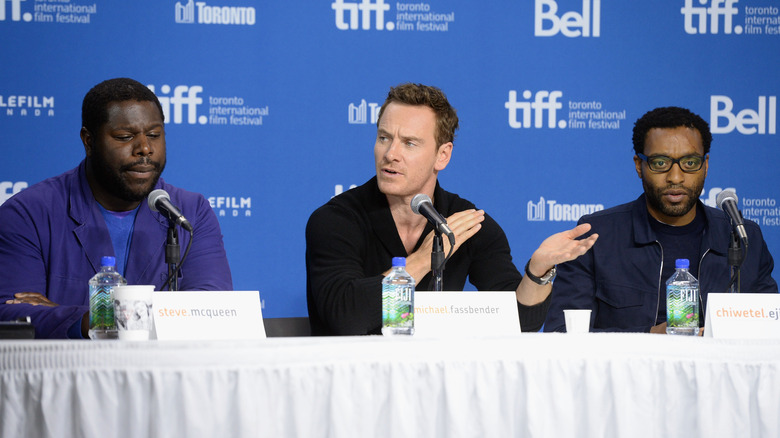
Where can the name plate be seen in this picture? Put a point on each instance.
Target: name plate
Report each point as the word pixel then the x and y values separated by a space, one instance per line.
pixel 206 315
pixel 733 315
pixel 465 314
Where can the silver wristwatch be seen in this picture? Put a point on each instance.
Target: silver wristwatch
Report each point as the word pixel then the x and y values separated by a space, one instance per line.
pixel 544 279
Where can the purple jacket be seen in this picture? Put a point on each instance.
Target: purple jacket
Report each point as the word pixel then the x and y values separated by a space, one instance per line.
pixel 53 235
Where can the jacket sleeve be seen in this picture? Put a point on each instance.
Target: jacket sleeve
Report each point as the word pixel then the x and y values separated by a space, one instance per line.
pixel 345 299
pixel 24 269
pixel 206 267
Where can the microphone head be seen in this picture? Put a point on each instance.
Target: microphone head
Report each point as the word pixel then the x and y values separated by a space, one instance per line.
pixel 418 200
pixel 155 196
pixel 724 195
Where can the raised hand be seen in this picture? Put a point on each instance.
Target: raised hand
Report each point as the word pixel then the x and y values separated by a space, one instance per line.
pixel 561 247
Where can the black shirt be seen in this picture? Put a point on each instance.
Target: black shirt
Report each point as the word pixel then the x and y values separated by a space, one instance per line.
pixel 351 240
pixel 683 242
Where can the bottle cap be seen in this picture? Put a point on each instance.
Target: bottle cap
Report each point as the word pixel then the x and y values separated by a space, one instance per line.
pixel 108 261
pixel 681 264
pixel 399 261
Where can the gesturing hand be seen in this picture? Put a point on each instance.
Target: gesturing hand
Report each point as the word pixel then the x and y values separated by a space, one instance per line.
pixel 464 225
pixel 561 247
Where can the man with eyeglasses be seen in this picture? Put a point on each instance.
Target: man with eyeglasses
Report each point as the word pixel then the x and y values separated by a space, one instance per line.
pixel 622 279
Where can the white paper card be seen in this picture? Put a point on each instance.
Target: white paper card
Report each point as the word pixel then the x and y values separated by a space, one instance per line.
pixel 465 314
pixel 733 315
pixel 204 315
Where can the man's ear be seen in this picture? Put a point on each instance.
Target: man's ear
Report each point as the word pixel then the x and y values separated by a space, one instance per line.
pixel 443 156
pixel 638 163
pixel 86 139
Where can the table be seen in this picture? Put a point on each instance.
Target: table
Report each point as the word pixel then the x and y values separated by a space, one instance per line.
pixel 536 384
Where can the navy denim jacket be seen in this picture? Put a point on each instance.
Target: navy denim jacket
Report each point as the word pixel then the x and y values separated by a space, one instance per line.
pixel 619 279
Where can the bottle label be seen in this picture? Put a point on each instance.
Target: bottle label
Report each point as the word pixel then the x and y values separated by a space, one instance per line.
pixel 397 306
pixel 101 309
pixel 682 306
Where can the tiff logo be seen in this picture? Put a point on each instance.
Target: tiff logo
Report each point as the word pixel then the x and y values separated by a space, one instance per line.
pixel 185 13
pixel 544 102
pixel 696 17
pixel 536 210
pixel 762 120
pixel 8 189
pixel 358 114
pixel 16 10
pixel 571 24
pixel 173 106
pixel 360 13
pixel 712 196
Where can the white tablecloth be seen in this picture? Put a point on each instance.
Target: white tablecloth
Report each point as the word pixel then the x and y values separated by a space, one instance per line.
pixel 540 385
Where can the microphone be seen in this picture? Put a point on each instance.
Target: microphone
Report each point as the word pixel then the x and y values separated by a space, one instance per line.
pixel 160 201
pixel 421 204
pixel 727 201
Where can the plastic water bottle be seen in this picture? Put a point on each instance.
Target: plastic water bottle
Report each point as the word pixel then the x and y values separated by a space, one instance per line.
pixel 101 300
pixel 398 300
pixel 682 301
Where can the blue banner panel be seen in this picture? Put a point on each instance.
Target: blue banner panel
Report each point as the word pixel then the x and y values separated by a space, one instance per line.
pixel 271 106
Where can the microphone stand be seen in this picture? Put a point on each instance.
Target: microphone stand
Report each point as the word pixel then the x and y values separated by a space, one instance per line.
pixel 437 261
pixel 172 256
pixel 736 257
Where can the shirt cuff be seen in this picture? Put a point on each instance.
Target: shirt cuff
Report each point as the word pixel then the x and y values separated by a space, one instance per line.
pixel 532 317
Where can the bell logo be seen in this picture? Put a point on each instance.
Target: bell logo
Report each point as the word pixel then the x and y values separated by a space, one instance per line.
pixel 544 101
pixel 696 17
pixel 361 13
pixel 183 95
pixel 571 24
pixel 760 121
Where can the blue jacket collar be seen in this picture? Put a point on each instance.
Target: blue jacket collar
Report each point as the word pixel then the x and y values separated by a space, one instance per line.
pixel 82 208
pixel 92 233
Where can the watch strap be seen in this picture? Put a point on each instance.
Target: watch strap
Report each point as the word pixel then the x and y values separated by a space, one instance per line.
pixel 544 279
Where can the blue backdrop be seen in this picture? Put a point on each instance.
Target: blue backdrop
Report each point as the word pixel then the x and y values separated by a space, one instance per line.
pixel 270 106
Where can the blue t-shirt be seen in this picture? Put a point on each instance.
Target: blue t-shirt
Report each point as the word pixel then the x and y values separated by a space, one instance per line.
pixel 120 226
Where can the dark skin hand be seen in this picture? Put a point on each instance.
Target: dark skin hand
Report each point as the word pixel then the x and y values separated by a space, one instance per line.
pixel 33 298
pixel 36 299
pixel 659 329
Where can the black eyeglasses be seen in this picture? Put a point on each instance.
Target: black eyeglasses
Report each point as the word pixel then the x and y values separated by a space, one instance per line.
pixel 662 163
